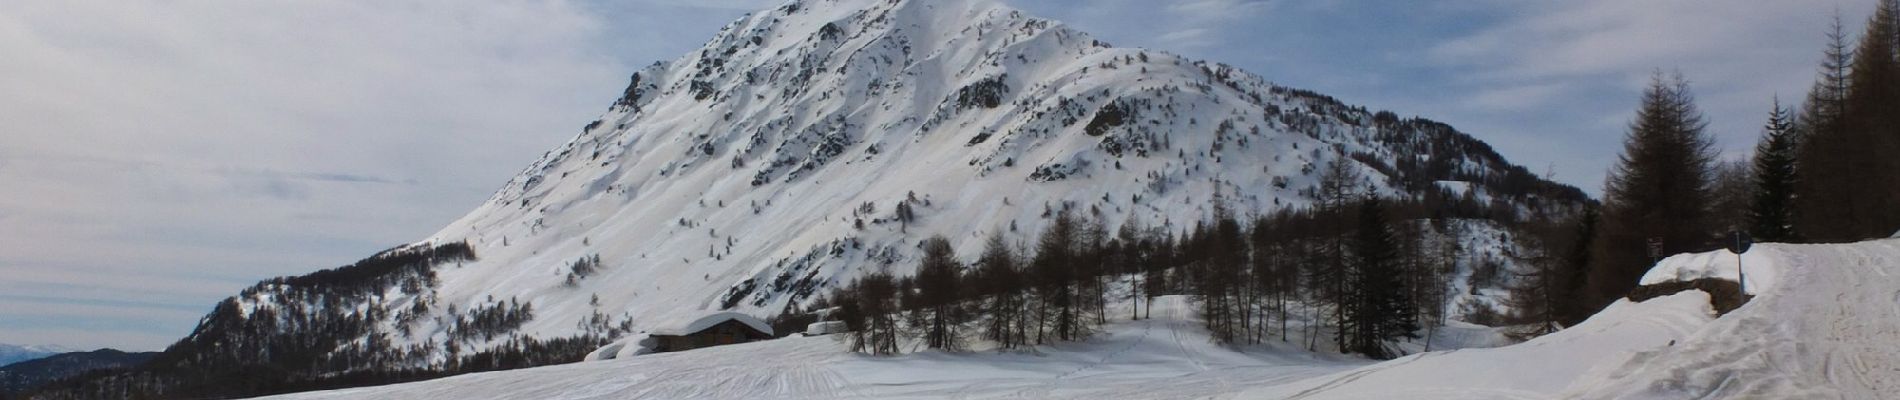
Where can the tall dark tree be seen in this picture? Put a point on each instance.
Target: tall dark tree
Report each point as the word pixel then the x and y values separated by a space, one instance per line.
pixel 1130 254
pixel 938 281
pixel 1658 193
pixel 871 312
pixel 1771 211
pixel 1221 276
pixel 1849 177
pixel 1338 187
pixel 1154 279
pixel 1543 292
pixel 1575 306
pixel 1732 193
pixel 1266 270
pixel 1053 271
pixel 1381 306
pixel 999 280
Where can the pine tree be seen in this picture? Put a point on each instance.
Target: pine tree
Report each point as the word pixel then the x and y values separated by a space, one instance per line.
pixel 1000 279
pixel 1732 192
pixel 1873 114
pixel 1576 306
pixel 1381 305
pixel 1154 279
pixel 1129 256
pixel 1221 275
pixel 938 284
pixel 868 307
pixel 1771 213
pixel 1338 187
pixel 1659 190
pixel 1054 273
pixel 1849 178
pixel 1264 269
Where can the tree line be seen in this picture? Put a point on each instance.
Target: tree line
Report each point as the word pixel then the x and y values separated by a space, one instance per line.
pixel 1823 171
pixel 1362 270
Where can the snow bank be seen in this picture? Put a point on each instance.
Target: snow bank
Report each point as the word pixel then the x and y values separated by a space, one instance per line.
pixel 1761 265
pixel 1826 326
pixel 632 345
pixel 1539 368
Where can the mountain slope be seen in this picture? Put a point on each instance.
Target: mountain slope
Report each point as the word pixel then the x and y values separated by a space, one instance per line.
pixel 770 164
pixel 10 354
pixel 21 376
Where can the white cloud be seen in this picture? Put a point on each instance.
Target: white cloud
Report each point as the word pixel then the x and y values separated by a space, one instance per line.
pixel 1185 38
pixel 1218 9
pixel 1736 56
pixel 1517 97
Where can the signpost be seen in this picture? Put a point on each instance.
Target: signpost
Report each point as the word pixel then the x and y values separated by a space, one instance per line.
pixel 1739 243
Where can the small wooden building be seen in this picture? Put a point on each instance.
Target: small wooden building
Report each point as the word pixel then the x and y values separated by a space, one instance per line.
pixel 713 330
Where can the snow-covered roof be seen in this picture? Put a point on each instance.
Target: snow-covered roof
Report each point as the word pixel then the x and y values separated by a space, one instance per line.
pixel 709 321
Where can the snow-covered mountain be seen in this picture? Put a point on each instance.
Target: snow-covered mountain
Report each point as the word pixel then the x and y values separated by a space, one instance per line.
pixel 772 162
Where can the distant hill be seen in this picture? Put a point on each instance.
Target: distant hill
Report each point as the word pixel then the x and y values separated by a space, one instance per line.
pixel 24 375
pixel 10 354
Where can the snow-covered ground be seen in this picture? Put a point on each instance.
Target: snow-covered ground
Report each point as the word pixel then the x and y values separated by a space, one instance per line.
pixel 1167 356
pixel 1825 324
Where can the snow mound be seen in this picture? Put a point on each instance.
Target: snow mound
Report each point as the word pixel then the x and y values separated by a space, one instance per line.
pixel 1534 369
pixel 1826 326
pixel 1761 267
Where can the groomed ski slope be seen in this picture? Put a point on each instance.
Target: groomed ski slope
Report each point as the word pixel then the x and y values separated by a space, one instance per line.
pixel 1825 324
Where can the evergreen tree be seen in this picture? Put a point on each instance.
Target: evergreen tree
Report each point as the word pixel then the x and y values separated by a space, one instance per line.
pixel 1849 177
pixel 1338 186
pixel 1381 305
pixel 1539 295
pixel 1129 256
pixel 1770 216
pixel 1732 193
pixel 1575 306
pixel 1154 280
pixel 1266 266
pixel 1054 273
pixel 869 308
pixel 938 281
pixel 1221 275
pixel 1658 192
pixel 1000 280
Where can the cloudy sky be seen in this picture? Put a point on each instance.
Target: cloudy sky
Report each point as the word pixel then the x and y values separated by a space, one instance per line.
pixel 156 157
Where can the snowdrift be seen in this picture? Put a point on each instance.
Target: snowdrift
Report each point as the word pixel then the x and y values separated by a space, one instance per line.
pixel 1825 323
